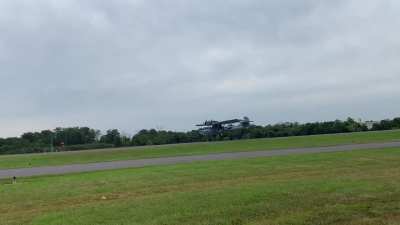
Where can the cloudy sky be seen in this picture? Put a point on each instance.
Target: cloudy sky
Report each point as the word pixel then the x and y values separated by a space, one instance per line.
pixel 169 64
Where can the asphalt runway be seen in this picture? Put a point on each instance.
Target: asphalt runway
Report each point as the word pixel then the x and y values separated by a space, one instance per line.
pixel 77 168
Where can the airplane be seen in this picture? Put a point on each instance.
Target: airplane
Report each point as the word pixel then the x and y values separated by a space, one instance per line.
pixel 212 127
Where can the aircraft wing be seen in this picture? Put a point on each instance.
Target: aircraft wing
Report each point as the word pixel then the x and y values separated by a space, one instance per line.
pixel 230 121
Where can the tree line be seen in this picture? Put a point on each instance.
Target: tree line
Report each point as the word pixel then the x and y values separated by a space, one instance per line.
pixel 80 138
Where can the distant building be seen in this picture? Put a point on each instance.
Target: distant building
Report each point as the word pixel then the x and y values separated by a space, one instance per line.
pixel 370 124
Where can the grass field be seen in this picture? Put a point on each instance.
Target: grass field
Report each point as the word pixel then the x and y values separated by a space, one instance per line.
pixel 346 188
pixel 33 160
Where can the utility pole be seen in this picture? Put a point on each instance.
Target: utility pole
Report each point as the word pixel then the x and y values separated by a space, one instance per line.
pixel 53 136
pixel 51 142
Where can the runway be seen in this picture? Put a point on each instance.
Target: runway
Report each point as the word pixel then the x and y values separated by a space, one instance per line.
pixel 77 168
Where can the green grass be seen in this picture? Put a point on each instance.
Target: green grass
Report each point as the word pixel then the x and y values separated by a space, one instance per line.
pixel 344 188
pixel 47 159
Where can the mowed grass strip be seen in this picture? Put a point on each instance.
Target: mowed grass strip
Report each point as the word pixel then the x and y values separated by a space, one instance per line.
pixel 344 188
pixel 64 158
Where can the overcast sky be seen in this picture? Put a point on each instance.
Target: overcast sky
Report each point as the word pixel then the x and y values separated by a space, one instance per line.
pixel 169 64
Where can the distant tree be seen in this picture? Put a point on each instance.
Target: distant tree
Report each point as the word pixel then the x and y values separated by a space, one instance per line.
pixel 396 123
pixel 112 137
pixel 31 137
pixel 86 138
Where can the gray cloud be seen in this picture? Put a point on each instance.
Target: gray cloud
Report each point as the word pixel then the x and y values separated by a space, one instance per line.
pixel 140 64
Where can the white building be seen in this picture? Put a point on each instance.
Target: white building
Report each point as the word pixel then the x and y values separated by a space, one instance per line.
pixel 370 124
